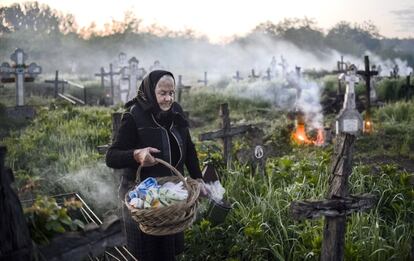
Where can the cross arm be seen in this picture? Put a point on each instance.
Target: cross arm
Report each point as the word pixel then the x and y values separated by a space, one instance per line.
pixel 224 133
pixel 331 207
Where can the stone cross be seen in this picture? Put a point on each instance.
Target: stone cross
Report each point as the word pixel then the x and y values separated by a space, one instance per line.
pixel 225 133
pixel 342 67
pixel 156 66
pixel 19 73
pixel 253 76
pixel 56 82
pixel 273 65
pixel 205 81
pixel 181 87
pixel 349 120
pixel 133 74
pixel 284 65
pixel 237 77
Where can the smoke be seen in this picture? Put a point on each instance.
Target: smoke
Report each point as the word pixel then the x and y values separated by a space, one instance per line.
pixel 95 184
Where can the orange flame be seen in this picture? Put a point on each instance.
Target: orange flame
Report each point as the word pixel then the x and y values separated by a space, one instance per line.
pixel 299 136
pixel 368 127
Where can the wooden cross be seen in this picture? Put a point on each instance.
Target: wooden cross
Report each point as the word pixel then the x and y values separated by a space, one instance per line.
pixel 298 73
pixel 268 74
pixel 19 73
pixel 111 74
pixel 181 87
pixel 205 81
pixel 338 204
pixel 342 67
pixel 407 89
pixel 133 74
pixel 367 74
pixel 237 76
pixel 253 76
pixel 56 82
pixel 225 133
pixel 395 72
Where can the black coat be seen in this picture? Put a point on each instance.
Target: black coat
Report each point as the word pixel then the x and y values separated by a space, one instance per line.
pixel 139 129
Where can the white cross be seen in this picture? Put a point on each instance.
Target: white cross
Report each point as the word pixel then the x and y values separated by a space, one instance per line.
pixel 20 70
pixel 350 78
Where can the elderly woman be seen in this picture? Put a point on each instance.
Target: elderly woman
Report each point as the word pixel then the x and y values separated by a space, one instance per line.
pixel 153 126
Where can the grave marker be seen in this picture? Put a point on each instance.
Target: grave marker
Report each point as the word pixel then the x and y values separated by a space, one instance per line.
pixel 181 87
pixel 19 73
pixel 284 65
pixel 237 77
pixel 253 75
pixel 349 120
pixel 339 203
pixel 133 73
pixel 407 89
pixel 225 133
pixel 205 81
pixel 111 75
pixel 56 83
pixel 268 74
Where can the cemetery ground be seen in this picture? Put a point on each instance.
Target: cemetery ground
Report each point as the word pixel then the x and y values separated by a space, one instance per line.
pixel 56 153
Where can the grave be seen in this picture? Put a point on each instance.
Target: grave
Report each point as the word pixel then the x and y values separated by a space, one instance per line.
pixel 133 73
pixel 339 203
pixel 19 73
pixel 253 75
pixel 56 83
pixel 111 75
pixel 237 77
pixel 367 74
pixel 225 133
pixel 205 81
pixel 181 88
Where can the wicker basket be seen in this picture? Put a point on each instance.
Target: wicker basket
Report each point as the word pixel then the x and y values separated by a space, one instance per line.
pixel 171 219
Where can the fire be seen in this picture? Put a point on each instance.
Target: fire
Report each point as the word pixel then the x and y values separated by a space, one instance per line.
pixel 300 136
pixel 368 126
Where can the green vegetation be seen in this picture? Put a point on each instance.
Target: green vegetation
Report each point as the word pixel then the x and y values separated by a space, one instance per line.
pixel 56 153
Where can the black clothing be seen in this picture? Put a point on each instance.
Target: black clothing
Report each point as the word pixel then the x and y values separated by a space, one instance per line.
pixel 140 129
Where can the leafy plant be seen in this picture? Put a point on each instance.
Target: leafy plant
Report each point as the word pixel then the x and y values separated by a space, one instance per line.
pixel 47 219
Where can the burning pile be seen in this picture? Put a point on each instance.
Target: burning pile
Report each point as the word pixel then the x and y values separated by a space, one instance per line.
pixel 299 135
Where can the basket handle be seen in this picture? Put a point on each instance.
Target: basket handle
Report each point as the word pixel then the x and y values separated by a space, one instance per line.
pixel 176 172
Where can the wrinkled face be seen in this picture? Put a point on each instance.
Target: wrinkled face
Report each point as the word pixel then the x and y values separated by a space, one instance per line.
pixel 164 92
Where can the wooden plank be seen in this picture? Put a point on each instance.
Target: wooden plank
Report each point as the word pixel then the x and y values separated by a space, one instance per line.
pixel 333 243
pixel 332 207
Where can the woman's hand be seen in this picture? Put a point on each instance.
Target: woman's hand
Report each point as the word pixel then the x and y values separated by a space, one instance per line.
pixel 144 157
pixel 204 191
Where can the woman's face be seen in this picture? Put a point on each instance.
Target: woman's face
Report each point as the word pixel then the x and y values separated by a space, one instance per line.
pixel 164 92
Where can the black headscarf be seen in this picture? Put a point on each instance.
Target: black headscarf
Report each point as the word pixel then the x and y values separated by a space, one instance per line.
pixel 147 99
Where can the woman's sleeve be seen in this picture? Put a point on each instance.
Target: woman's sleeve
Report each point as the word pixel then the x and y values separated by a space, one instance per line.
pixel 192 162
pixel 121 153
